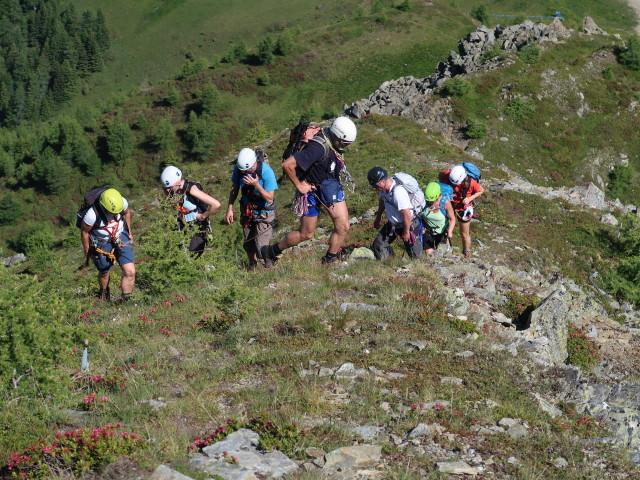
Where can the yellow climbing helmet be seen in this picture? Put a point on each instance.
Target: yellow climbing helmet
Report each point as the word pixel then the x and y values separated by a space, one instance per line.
pixel 112 201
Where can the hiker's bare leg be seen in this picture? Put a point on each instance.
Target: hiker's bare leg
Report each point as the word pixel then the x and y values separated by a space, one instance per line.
pixel 103 280
pixel 253 258
pixel 128 277
pixel 305 232
pixel 466 236
pixel 340 216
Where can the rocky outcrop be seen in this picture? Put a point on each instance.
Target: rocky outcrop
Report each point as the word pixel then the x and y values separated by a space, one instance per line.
pixel 412 97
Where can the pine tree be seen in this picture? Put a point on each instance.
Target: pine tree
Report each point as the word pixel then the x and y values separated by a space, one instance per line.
pixel 200 136
pixel 163 134
pixel 119 141
pixel 64 82
pixel 102 34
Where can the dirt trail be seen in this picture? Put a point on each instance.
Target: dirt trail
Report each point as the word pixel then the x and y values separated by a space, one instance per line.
pixel 635 4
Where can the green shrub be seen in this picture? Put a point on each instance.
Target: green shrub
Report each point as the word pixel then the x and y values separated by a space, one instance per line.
pixel 476 129
pixel 163 134
pixel 530 53
pixel 210 101
pixel 36 240
pixel 266 46
pixel 519 109
pixel 264 80
pixel 38 330
pixel 630 57
pixel 607 73
pixel 622 278
pixel 621 181
pixel 237 53
pixel 200 136
pixel 463 326
pixel 284 43
pixel 173 97
pixel 480 13
pixel 119 141
pixel 193 67
pixel 10 210
pixel 491 53
pixel 519 306
pixel 583 352
pixel 457 87
pixel 404 6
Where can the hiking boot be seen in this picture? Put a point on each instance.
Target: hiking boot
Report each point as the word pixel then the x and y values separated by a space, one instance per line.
pixel 268 255
pixel 466 253
pixel 126 297
pixel 326 260
pixel 104 295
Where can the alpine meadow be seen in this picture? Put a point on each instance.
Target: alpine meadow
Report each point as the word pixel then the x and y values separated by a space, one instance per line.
pixel 193 321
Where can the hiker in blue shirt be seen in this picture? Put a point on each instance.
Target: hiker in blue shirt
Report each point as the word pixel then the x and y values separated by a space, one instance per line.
pixel 255 179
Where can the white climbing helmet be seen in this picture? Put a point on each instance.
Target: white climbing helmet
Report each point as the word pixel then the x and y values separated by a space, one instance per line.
pixel 170 176
pixel 246 159
pixel 344 129
pixel 457 175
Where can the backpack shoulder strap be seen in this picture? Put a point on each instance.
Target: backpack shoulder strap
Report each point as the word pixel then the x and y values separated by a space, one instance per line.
pixel 321 140
pixel 100 213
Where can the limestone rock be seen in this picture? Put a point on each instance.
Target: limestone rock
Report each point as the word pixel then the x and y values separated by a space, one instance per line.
pixel 165 473
pixel 591 28
pixel 355 457
pixel 457 468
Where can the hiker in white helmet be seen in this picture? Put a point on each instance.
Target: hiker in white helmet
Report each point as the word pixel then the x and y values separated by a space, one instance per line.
pixel 256 181
pixel 465 191
pixel 193 205
pixel 315 173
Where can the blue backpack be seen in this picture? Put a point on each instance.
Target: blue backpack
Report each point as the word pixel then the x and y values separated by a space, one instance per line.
pixel 472 170
pixel 446 191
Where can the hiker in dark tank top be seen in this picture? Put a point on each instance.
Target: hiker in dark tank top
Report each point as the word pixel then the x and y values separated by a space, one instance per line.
pixel 194 206
pixel 315 173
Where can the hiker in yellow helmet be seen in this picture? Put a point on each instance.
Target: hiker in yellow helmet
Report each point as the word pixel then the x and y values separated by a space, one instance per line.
pixel 105 233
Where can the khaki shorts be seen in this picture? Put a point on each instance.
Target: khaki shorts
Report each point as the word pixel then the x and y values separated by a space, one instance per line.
pixel 258 233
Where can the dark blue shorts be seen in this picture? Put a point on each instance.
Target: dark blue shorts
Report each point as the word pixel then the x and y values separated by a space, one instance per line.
pixel 330 192
pixel 124 252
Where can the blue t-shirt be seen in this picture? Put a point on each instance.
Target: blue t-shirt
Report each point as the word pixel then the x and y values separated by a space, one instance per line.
pixel 267 181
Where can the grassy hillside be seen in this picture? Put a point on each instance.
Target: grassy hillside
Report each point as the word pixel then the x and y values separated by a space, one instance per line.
pixel 212 341
pixel 206 29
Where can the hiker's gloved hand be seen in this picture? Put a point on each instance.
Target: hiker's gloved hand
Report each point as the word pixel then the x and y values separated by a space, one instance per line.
pixel 190 217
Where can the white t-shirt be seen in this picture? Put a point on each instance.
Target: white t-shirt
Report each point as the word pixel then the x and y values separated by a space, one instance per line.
pixel 114 226
pixel 396 201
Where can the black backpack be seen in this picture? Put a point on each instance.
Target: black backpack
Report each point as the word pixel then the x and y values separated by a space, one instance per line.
pixel 90 199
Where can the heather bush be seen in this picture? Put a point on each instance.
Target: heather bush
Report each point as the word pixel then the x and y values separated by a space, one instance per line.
pixel 583 352
pixel 76 451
